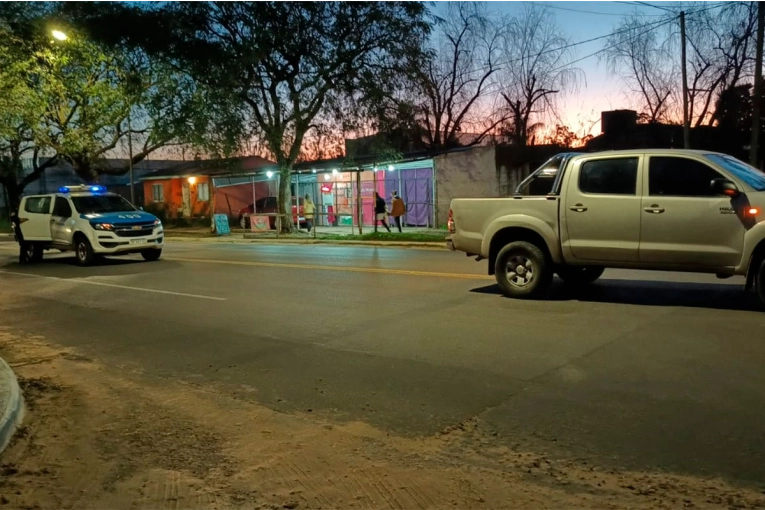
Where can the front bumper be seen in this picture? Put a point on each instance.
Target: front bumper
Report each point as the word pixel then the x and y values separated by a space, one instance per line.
pixel 110 243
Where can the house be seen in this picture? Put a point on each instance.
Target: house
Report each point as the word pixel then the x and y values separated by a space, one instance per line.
pixel 620 130
pixel 196 189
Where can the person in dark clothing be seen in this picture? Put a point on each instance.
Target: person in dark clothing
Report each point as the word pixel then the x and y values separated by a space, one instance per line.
pixel 381 211
pixel 23 249
pixel 397 209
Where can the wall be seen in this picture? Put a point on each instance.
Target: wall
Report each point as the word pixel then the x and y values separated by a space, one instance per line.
pixel 172 205
pixel 465 174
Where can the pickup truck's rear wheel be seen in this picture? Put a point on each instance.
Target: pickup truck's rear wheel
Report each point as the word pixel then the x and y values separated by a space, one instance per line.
pixel 580 275
pixel 522 270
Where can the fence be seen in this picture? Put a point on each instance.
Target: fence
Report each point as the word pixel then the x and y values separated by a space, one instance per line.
pixel 269 225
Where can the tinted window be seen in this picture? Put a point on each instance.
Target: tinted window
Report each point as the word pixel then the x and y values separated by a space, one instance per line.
pixel 750 175
pixel 617 176
pixel 101 204
pixel 62 208
pixel 37 205
pixel 680 177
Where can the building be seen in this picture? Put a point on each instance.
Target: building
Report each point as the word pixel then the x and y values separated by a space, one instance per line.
pixel 196 189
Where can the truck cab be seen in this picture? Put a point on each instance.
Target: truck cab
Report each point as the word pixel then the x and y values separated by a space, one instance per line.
pixel 89 221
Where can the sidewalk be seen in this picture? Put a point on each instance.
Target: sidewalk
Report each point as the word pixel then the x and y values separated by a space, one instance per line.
pixel 414 237
pixel 11 404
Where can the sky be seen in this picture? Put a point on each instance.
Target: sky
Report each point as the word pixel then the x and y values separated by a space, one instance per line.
pixel 601 90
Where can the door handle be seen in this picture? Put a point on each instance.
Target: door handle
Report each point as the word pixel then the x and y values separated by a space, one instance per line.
pixel 578 208
pixel 654 209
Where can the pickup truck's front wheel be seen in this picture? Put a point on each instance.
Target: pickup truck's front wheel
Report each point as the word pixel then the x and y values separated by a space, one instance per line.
pixel 759 282
pixel 579 275
pixel 522 270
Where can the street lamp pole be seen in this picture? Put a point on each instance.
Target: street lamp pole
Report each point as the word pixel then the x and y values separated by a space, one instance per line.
pixel 130 159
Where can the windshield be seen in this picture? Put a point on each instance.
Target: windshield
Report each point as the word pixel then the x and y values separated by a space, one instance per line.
pixel 750 175
pixel 101 204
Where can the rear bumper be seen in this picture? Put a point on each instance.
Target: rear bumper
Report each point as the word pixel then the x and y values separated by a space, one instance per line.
pixel 450 244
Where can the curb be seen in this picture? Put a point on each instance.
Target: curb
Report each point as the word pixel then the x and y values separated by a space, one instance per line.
pixel 14 411
pixel 228 240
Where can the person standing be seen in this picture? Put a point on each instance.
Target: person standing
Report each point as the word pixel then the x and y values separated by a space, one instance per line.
pixel 308 211
pixel 381 211
pixel 397 209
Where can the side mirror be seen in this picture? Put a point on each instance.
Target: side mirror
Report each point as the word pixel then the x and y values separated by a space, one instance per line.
pixel 140 208
pixel 724 187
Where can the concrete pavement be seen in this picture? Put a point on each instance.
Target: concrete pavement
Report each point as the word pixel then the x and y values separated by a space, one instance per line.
pixel 648 371
pixel 11 404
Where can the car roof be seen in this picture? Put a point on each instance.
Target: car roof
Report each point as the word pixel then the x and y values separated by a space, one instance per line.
pixel 649 152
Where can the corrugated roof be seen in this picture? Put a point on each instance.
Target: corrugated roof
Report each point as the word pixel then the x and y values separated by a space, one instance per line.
pixel 214 168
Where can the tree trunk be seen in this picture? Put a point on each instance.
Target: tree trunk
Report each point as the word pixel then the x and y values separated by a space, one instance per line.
pixel 285 197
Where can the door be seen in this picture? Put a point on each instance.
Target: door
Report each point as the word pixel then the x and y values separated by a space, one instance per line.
pixel 61 222
pixel 35 218
pixel 683 221
pixel 186 199
pixel 602 210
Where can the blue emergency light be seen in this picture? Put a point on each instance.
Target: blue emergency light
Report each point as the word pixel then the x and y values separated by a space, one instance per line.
pixel 91 188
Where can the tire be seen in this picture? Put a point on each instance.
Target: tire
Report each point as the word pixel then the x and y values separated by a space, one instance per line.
pixel 531 274
pixel 759 282
pixel 84 251
pixel 34 252
pixel 580 275
pixel 151 255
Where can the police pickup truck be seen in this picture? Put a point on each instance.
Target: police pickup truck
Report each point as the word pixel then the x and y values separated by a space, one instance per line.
pixel 89 221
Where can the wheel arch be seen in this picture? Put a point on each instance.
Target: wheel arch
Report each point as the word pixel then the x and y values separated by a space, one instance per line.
pixel 508 235
pixel 755 261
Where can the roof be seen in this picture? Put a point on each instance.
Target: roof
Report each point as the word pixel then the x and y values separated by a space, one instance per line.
pixel 248 165
pixel 627 152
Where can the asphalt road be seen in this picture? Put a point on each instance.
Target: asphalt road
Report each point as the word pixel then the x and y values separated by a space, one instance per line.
pixel 650 371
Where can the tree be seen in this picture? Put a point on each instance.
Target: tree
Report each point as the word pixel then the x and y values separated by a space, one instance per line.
pixel 449 87
pixel 288 61
pixel 638 53
pixel 538 70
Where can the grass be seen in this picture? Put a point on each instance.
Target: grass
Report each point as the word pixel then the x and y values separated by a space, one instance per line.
pixel 5 226
pixel 391 237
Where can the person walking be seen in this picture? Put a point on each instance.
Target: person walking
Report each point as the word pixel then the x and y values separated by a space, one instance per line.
pixel 308 211
pixel 381 211
pixel 397 209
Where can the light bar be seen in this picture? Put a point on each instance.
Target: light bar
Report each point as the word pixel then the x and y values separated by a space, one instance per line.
pixel 92 188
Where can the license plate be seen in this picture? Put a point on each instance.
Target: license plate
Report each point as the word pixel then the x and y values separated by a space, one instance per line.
pixel 138 241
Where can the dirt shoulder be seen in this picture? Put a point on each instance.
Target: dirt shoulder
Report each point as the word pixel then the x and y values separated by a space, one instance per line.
pixel 99 436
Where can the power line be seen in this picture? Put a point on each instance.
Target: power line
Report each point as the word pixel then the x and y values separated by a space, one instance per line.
pixel 546 6
pixel 654 6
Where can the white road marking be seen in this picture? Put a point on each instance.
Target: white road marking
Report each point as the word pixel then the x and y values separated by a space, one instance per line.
pixel 126 287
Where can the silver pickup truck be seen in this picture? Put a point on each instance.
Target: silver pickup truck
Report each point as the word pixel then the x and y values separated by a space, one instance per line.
pixel 579 213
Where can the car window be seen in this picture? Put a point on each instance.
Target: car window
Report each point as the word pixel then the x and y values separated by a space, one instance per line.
pixel 271 202
pixel 542 180
pixel 62 208
pixel 750 175
pixel 101 204
pixel 613 176
pixel 37 205
pixel 680 177
pixel 260 204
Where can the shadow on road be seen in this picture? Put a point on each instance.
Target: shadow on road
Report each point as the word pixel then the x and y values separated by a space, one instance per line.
pixel 653 293
pixel 65 266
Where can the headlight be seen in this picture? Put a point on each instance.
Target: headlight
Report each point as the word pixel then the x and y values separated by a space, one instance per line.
pixel 157 223
pixel 103 226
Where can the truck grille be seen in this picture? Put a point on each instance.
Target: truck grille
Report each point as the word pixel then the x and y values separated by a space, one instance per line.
pixel 134 230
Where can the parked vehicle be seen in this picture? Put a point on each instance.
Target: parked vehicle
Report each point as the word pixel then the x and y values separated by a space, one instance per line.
pixel 90 222
pixel 674 210
pixel 267 205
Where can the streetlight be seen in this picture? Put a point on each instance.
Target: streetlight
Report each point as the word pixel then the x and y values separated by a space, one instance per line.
pixel 59 35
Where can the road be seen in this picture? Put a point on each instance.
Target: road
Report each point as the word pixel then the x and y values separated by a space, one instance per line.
pixel 655 372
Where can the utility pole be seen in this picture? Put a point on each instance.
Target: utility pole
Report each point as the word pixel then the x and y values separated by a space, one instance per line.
pixel 686 120
pixel 130 160
pixel 754 144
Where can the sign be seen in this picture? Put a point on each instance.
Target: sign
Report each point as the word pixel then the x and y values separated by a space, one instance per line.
pixel 260 223
pixel 326 187
pixel 221 225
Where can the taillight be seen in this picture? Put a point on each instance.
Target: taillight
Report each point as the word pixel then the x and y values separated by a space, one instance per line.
pixel 450 223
